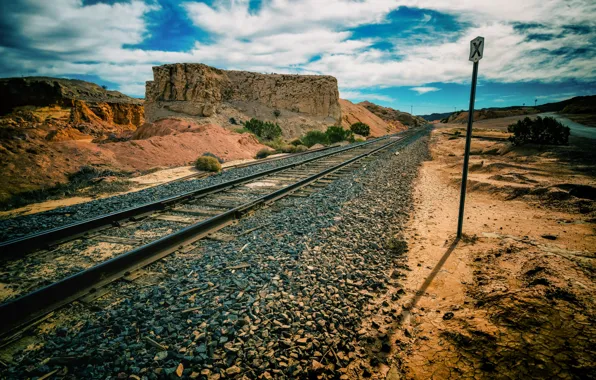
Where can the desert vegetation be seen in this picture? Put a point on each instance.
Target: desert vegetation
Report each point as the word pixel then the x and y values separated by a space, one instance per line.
pixel 208 164
pixel 539 131
pixel 263 129
pixel 360 128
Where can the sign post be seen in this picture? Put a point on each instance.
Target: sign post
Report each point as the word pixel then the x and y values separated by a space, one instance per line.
pixel 476 52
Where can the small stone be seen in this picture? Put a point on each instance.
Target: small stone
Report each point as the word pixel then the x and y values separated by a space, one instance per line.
pixel 234 370
pixel 447 316
pixel 316 366
pixel 179 370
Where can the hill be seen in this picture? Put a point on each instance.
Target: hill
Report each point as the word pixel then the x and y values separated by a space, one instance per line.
pixel 393 116
pixel 579 105
pixel 436 116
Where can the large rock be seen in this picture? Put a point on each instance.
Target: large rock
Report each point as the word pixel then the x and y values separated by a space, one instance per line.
pixel 199 90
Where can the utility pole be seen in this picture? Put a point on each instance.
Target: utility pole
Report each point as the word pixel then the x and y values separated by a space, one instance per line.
pixel 476 51
pixel 411 110
pixel 535 101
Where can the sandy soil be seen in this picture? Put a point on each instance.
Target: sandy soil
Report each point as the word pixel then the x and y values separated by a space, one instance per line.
pixel 514 299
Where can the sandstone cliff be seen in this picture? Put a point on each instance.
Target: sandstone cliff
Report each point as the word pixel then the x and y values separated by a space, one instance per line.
pixel 297 102
pixel 392 116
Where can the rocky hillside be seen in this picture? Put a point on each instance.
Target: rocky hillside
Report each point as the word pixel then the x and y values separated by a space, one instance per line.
pixel 461 117
pixel 352 113
pixel 392 116
pixel 40 115
pixel 210 95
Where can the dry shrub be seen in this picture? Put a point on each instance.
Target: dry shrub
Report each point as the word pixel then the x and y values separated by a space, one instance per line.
pixel 208 164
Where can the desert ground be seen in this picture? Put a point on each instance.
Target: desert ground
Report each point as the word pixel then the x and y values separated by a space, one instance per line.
pixel 514 298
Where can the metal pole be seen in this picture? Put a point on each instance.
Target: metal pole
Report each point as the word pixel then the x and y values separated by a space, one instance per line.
pixel 464 178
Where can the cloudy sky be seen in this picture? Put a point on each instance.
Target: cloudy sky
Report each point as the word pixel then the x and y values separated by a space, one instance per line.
pixel 400 53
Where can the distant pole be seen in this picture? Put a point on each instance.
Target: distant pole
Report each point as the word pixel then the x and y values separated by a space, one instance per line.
pixel 535 101
pixel 476 51
pixel 411 110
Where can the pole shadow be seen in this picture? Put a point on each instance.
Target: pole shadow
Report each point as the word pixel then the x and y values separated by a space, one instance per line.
pixel 420 292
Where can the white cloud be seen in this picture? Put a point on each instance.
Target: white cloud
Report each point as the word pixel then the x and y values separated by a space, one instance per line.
pixel 310 36
pixel 359 96
pixel 424 90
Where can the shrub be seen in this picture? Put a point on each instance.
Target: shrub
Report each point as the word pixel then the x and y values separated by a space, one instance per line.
pixel 233 121
pixel 277 144
pixel 208 164
pixel 276 113
pixel 300 149
pixel 360 128
pixel 288 149
pixel 242 130
pixel 540 131
pixel 263 129
pixel 209 154
pixel 296 142
pixel 337 134
pixel 359 139
pixel 315 137
pixel 264 153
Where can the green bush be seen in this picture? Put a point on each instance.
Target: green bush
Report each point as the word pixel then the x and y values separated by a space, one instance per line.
pixel 276 113
pixel 296 142
pixel 277 143
pixel 539 131
pixel 300 149
pixel 315 137
pixel 233 121
pixel 209 154
pixel 360 128
pixel 263 153
pixel 263 129
pixel 359 139
pixel 337 134
pixel 208 164
pixel 242 130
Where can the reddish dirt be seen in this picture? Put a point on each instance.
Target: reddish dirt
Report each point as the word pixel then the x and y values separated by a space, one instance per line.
pixel 352 113
pixel 175 142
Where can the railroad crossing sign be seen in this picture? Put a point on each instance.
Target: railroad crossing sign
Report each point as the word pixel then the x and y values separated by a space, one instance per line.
pixel 476 49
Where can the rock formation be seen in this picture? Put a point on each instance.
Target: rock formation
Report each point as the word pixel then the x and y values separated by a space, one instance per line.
pixel 47 125
pixel 87 102
pixel 200 91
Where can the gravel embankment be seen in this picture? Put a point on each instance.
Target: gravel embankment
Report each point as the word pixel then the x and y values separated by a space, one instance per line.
pixel 284 301
pixel 28 224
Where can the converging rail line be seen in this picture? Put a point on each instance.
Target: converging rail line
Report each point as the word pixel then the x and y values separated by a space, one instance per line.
pixel 197 214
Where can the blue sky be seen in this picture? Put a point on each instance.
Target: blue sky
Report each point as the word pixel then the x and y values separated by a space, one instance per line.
pixel 406 54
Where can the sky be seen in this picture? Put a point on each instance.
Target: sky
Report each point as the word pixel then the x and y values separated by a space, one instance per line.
pixel 411 55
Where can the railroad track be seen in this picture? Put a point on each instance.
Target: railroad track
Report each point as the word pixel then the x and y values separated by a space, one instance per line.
pixel 166 226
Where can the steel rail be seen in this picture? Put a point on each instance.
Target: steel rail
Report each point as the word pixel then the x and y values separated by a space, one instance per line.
pixel 26 309
pixel 48 238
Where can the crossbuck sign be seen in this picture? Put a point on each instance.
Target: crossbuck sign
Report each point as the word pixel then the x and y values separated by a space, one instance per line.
pixel 476 49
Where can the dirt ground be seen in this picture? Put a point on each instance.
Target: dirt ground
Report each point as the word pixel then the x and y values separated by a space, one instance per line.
pixel 514 298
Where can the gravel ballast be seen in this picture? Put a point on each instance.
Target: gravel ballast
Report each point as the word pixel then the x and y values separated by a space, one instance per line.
pixel 283 301
pixel 28 224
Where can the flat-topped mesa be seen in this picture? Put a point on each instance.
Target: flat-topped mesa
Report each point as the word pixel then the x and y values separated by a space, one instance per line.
pixel 196 89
